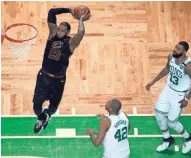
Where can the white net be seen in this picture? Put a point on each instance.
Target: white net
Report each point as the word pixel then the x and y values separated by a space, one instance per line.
pixel 21 50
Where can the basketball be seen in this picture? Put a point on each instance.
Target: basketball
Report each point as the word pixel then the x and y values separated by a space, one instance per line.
pixel 80 10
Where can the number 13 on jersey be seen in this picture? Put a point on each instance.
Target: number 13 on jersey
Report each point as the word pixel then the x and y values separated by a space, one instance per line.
pixel 174 79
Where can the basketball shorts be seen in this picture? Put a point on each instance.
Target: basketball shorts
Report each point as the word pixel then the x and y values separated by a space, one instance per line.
pixel 48 88
pixel 168 103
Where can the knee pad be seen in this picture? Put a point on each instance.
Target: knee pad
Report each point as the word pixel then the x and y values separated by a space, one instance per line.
pixel 177 126
pixel 162 121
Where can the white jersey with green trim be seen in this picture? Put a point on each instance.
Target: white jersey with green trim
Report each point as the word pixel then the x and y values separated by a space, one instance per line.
pixel 116 144
pixel 177 79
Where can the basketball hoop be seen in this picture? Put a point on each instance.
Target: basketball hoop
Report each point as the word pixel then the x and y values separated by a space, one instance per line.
pixel 20 37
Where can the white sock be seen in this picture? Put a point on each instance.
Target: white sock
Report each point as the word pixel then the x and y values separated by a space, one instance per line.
pixel 185 134
pixel 166 134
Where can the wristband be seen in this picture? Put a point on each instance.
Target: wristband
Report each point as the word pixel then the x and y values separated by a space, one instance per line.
pixel 186 99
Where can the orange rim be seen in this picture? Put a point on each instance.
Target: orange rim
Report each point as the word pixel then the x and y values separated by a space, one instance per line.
pixel 2 36
pixel 19 41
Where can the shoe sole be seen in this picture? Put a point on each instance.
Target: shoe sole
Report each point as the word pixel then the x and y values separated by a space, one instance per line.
pixel 43 125
pixel 188 150
pixel 39 131
pixel 172 142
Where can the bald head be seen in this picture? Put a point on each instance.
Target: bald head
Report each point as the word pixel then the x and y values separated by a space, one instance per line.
pixel 115 105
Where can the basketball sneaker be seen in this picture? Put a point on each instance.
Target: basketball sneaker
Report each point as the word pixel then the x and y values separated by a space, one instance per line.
pixel 41 124
pixel 49 119
pixel 186 147
pixel 165 144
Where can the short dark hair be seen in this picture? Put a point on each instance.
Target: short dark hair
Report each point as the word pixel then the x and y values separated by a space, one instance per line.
pixel 184 44
pixel 115 105
pixel 67 25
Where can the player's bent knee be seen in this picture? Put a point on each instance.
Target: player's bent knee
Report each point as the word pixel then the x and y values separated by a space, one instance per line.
pixel 172 124
pixel 177 126
pixel 161 120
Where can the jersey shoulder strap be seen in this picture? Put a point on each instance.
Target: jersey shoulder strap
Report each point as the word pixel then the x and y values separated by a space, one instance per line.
pixel 188 60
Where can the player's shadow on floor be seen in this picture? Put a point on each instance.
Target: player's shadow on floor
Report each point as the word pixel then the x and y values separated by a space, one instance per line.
pixel 187 155
pixel 167 152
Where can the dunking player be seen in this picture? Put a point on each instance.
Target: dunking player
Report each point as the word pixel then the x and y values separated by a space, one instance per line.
pixel 174 97
pixel 113 131
pixel 52 76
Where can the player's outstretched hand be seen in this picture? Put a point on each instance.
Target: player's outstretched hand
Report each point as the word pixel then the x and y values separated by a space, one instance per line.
pixel 89 131
pixel 149 85
pixel 183 103
pixel 85 17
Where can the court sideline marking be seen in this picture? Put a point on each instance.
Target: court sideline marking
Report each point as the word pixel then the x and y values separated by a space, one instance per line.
pixel 82 136
pixel 88 115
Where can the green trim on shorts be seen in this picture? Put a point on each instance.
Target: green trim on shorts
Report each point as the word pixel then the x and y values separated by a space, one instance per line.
pixel 161 112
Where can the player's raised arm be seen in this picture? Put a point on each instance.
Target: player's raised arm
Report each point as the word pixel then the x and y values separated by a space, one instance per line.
pixel 52 22
pixel 104 126
pixel 163 73
pixel 75 41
